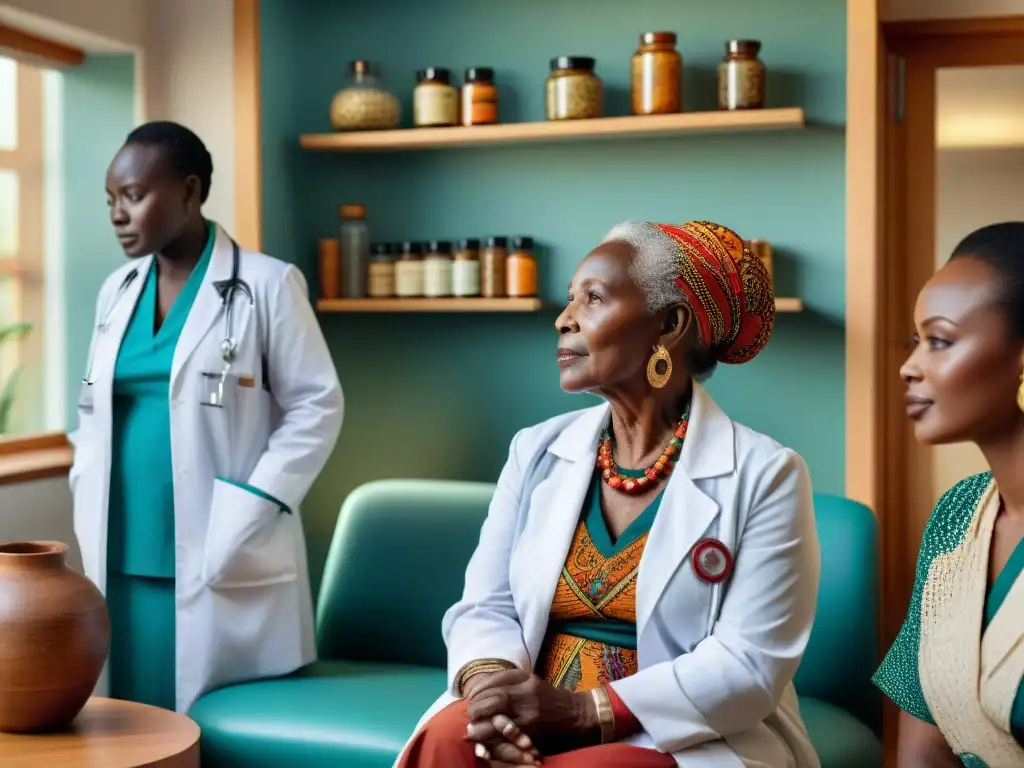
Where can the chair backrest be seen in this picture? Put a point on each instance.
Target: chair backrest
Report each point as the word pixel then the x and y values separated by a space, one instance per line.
pixel 842 653
pixel 398 557
pixel 397 562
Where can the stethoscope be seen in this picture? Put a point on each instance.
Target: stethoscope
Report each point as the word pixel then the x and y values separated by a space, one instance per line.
pixel 226 289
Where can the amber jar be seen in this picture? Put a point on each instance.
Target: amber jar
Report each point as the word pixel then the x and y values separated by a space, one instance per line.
pixel 409 271
pixel 435 102
pixel 492 267
pixel 466 269
pixel 572 90
pixel 382 271
pixel 521 269
pixel 657 75
pixel 479 97
pixel 741 76
pixel 330 268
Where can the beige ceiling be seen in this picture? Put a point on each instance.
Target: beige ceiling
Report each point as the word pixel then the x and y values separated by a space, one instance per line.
pixel 980 107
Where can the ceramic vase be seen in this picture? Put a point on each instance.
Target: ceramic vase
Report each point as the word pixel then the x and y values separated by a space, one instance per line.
pixel 54 637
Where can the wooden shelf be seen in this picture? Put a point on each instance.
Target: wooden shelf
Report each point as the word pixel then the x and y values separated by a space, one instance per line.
pixel 429 305
pixel 560 130
pixel 470 305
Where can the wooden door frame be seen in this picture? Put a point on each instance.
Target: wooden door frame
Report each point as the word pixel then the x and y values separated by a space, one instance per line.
pixel 914 52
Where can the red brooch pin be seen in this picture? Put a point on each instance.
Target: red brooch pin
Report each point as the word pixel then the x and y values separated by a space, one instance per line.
pixel 711 561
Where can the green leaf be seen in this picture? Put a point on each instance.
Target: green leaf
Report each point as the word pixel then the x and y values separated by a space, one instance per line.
pixel 7 399
pixel 15 332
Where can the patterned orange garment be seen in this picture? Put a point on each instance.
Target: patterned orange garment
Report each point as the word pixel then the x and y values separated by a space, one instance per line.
pixel 597 588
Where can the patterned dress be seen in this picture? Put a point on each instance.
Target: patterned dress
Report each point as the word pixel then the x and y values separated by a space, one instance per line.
pixel 591 636
pixel 967 682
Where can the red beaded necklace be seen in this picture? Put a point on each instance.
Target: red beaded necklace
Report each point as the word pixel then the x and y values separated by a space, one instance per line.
pixel 653 475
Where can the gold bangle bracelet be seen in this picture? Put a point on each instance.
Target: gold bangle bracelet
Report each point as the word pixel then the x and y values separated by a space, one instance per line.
pixel 480 666
pixel 605 713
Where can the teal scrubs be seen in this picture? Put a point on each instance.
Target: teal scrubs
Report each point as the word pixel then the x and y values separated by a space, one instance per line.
pixel 141 545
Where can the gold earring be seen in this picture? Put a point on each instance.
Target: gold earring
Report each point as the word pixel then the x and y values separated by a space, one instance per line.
pixel 1020 393
pixel 659 367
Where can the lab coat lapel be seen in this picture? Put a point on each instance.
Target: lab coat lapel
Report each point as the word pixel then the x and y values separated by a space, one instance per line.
pixel 556 503
pixel 108 343
pixel 686 511
pixel 207 308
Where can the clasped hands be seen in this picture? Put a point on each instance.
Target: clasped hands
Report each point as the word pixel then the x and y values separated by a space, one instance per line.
pixel 504 708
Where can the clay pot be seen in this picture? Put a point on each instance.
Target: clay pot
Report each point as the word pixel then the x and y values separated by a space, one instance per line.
pixel 54 637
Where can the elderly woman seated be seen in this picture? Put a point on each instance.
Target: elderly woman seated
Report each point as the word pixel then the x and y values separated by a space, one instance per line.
pixel 646 578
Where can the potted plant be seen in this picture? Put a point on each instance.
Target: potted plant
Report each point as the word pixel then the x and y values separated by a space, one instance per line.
pixel 13 332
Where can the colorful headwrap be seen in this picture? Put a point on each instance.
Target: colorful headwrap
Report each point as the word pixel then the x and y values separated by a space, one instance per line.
pixel 728 289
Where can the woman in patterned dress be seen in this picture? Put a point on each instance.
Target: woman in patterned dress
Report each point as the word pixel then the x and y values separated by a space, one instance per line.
pixel 646 579
pixel 955 669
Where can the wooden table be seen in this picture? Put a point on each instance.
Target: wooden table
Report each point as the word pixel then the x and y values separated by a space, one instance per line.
pixel 109 734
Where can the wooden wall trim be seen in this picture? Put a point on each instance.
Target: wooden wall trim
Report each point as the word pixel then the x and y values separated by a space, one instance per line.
pixel 34 458
pixel 248 135
pixel 863 254
pixel 989 25
pixel 40 51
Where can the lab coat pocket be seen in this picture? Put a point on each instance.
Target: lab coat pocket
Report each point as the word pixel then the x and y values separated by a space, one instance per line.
pixel 250 542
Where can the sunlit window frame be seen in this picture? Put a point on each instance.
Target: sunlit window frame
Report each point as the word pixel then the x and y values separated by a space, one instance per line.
pixel 32 457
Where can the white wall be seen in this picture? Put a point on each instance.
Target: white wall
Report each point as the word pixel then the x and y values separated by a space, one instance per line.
pixel 39 510
pixel 189 78
pixel 903 10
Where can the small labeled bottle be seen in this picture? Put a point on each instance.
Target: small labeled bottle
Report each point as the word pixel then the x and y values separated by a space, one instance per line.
pixel 466 269
pixel 435 101
pixel 437 270
pixel 409 271
pixel 521 269
pixel 354 241
pixel 382 271
pixel 330 268
pixel 479 97
pixel 492 267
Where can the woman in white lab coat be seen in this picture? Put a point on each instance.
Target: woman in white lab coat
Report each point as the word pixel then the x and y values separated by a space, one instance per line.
pixel 209 406
pixel 646 579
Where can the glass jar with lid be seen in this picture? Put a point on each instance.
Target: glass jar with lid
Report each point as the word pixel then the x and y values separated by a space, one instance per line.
pixel 364 104
pixel 521 269
pixel 437 270
pixel 657 75
pixel 466 268
pixel 741 76
pixel 382 270
pixel 573 91
pixel 479 97
pixel 492 267
pixel 435 101
pixel 409 271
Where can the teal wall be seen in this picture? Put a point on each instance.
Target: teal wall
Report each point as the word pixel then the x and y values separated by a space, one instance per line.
pixel 441 395
pixel 99 99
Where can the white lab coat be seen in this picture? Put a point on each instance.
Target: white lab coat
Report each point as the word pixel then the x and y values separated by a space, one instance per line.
pixel 715 662
pixel 244 606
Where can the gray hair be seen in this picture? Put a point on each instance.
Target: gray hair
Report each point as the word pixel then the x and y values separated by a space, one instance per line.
pixel 656 266
pixel 654 270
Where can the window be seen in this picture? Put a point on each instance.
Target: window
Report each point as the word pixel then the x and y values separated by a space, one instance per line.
pixel 31 397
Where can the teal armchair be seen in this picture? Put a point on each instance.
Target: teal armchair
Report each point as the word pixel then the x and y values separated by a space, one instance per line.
pixel 396 563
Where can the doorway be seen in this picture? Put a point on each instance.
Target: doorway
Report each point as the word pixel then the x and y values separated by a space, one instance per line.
pixel 953 160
